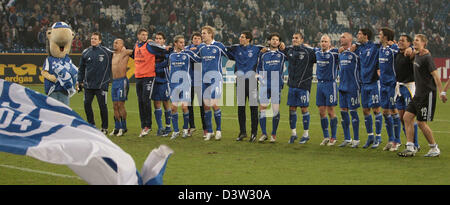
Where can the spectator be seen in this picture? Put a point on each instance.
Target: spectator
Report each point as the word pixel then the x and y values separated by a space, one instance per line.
pixel 187 16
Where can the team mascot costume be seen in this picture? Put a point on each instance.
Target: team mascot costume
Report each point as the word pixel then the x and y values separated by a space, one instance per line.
pixel 60 74
pixel 47 129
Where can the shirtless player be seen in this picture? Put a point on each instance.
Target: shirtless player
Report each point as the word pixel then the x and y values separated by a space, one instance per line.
pixel 120 86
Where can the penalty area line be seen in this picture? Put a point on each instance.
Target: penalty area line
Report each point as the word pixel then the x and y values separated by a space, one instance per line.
pixel 39 172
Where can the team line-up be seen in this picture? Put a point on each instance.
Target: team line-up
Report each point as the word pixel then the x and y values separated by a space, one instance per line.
pixel 400 77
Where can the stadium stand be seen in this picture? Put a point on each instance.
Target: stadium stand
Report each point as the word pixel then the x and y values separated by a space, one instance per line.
pixel 23 23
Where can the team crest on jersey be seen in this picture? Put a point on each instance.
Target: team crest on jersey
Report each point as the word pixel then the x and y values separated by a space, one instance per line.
pixel 368 53
pixel 387 53
pixel 240 53
pixel 278 55
pixel 250 55
pixel 302 56
pixel 327 56
pixel 214 50
pixel 100 58
pixel 350 57
pixel 184 57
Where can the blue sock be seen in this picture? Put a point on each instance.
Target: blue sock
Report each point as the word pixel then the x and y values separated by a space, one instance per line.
pixel 388 121
pixel 378 125
pixel 275 121
pixel 345 124
pixel 167 115
pixel 262 122
pixel 324 124
pixel 158 117
pixel 117 124
pixel 397 128
pixel 369 124
pixel 306 118
pixel 208 121
pixel 416 140
pixel 124 123
pixel 186 120
pixel 218 118
pixel 293 119
pixel 355 124
pixel 333 126
pixel 175 122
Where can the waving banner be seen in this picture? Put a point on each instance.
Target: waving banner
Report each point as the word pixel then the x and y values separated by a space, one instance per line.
pixel 38 126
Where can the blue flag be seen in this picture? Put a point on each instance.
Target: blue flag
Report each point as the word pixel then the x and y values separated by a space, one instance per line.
pixel 41 127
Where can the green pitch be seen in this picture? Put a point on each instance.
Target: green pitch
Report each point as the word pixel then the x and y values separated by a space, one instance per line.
pixel 229 162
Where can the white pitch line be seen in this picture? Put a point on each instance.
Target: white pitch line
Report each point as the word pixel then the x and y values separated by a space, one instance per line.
pixel 39 172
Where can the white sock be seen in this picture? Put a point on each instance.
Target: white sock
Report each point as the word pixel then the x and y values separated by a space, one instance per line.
pixel 410 146
pixel 305 133
pixel 294 132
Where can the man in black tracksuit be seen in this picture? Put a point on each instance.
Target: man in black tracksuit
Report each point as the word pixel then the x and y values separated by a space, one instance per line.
pixel 246 57
pixel 94 75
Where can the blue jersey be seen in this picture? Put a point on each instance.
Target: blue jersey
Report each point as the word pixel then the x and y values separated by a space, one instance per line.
pixel 246 57
pixel 181 62
pixel 386 61
pixel 162 69
pixel 192 71
pixel 368 56
pixel 327 64
pixel 211 56
pixel 60 67
pixel 349 67
pixel 269 62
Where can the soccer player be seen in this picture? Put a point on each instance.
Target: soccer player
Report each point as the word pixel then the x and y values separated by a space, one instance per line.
pixel 300 74
pixel 161 92
pixel 270 72
pixel 196 85
pixel 211 53
pixel 246 57
pixel 370 88
pixel 94 76
pixel 326 96
pixel 404 73
pixel 120 86
pixel 349 90
pixel 144 60
pixel 388 81
pixel 423 104
pixel 180 83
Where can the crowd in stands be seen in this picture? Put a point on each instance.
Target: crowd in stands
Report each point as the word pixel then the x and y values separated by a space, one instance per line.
pixel 24 22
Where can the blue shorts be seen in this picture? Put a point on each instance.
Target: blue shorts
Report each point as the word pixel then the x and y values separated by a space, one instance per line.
pixel 326 93
pixel 161 92
pixel 212 90
pixel 404 99
pixel 370 95
pixel 119 89
pixel 298 97
pixel 265 96
pixel 349 100
pixel 387 95
pixel 179 93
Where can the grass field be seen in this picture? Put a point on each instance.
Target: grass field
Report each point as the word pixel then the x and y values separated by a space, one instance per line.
pixel 229 162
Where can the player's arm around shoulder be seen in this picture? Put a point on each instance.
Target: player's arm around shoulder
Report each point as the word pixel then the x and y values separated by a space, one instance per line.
pixel 194 57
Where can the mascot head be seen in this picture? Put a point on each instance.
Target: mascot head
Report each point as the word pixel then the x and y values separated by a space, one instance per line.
pixel 60 37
